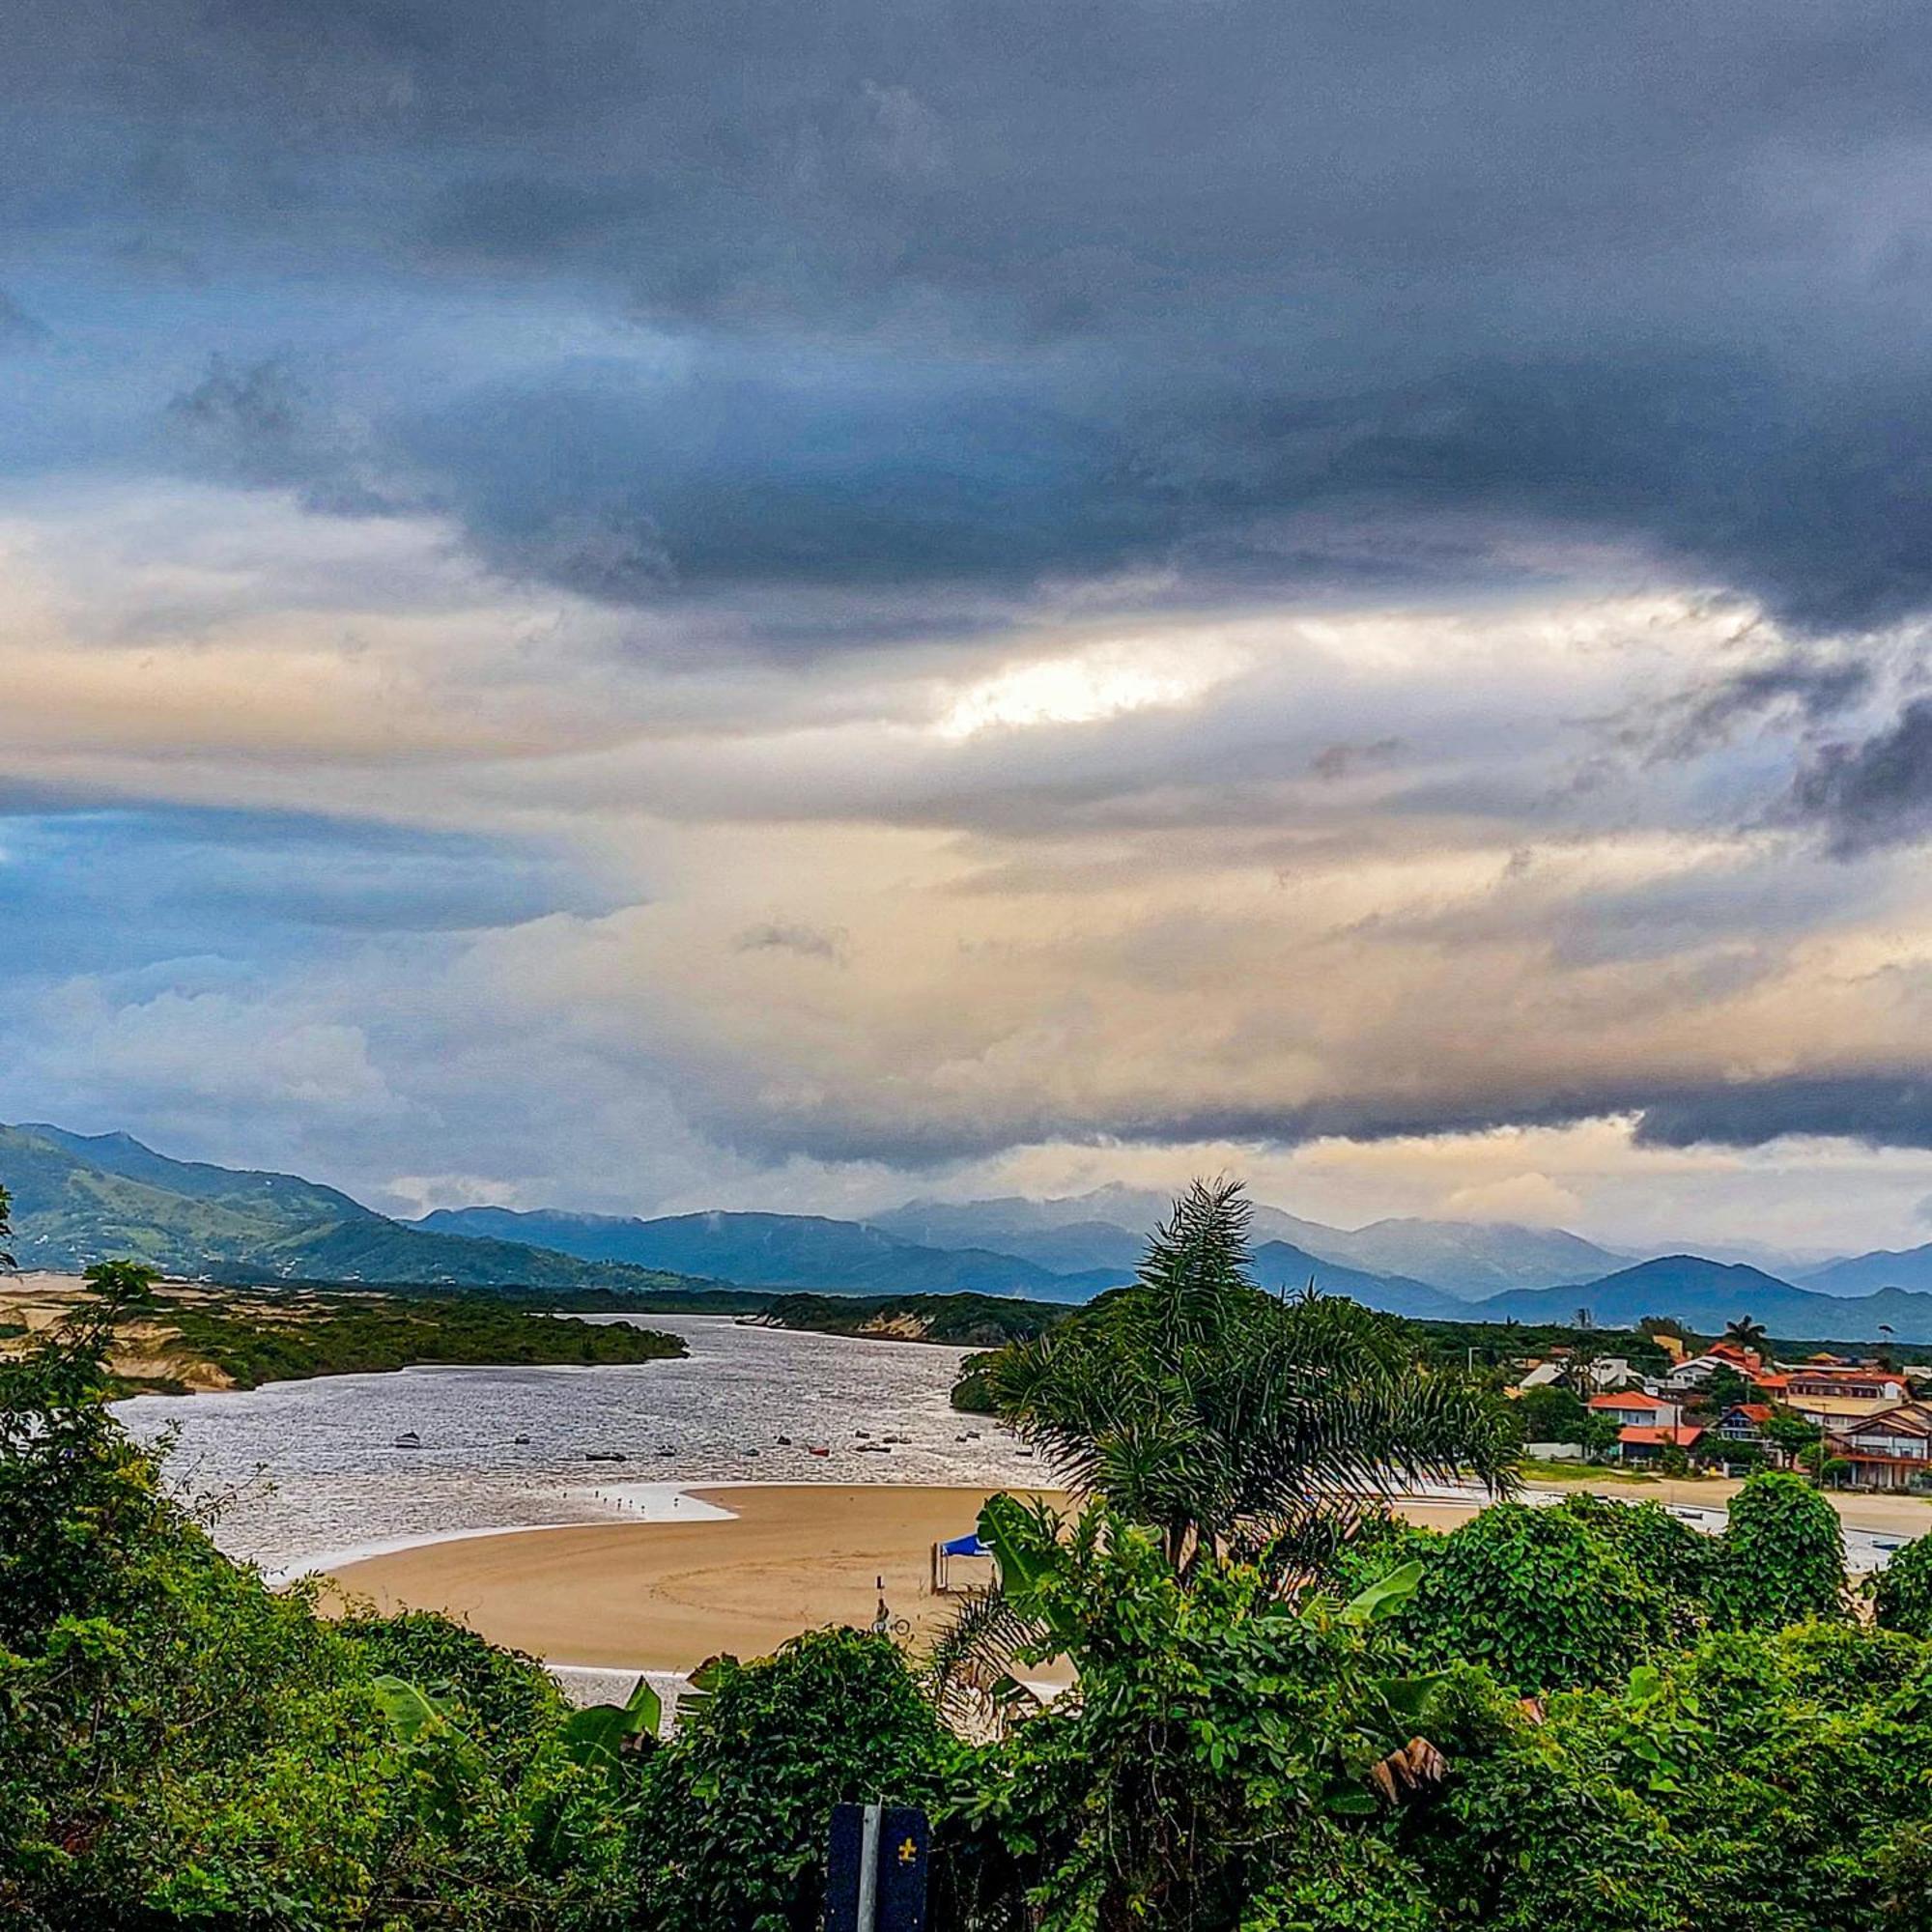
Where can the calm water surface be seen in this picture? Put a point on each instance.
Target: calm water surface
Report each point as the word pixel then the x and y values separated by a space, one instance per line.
pixel 311 1469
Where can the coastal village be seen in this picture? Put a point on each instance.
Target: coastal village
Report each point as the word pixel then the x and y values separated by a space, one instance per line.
pixel 1730 1409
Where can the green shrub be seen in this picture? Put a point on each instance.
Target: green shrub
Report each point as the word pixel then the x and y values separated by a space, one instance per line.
pixel 729 1832
pixel 1543 1598
pixel 502 1696
pixel 1902 1591
pixel 1781 1559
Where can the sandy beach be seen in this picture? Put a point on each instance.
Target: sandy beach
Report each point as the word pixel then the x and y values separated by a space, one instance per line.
pixel 665 1596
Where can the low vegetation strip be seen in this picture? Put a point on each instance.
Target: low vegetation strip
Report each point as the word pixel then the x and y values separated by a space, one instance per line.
pixel 964 1320
pixel 255 1342
pixel 178 1338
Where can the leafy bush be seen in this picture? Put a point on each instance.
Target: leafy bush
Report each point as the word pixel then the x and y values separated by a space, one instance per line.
pixel 1543 1598
pixel 501 1695
pixel 1665 1551
pixel 1902 1591
pixel 1781 1559
pixel 1552 1414
pixel 1758 1781
pixel 731 1825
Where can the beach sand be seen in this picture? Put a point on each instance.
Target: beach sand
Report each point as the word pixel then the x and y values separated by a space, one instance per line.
pixel 665 1596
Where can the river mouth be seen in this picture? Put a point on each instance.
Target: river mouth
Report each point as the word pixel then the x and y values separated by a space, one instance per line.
pixel 297 1471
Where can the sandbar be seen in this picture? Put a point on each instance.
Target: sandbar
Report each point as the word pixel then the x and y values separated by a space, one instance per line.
pixel 665 1596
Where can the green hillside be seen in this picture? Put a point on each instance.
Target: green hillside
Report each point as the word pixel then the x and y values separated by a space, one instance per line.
pixel 78 1199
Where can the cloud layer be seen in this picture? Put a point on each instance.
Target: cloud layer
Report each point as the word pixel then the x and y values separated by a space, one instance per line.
pixel 636 609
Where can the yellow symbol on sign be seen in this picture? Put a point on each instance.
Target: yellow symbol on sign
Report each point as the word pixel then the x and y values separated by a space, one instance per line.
pixel 908 1853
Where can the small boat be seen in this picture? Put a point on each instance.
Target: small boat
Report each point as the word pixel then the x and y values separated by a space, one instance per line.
pixel 603 1456
pixel 862 1434
pixel 818 1449
pixel 873 1449
pixel 409 1440
pixel 1024 1452
pixel 894 1438
pixel 785 1441
pixel 665 1449
pixel 519 1441
pixel 971 1435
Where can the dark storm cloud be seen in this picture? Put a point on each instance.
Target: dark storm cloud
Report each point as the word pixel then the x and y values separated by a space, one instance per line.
pixel 1878 792
pixel 1880 1109
pixel 1174 274
pixel 260 423
pixel 1792 683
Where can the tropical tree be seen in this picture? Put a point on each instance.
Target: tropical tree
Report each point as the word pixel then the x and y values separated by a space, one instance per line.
pixel 6 1230
pixel 1791 1437
pixel 1225 1759
pixel 1237 1424
pixel 1746 1333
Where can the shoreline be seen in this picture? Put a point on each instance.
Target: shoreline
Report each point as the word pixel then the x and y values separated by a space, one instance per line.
pixel 762 1562
pixel 741 1566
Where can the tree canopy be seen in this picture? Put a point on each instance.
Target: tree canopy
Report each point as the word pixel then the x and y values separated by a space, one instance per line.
pixel 1234 1422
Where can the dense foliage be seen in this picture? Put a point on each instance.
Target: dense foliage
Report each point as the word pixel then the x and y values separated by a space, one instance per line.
pixel 731 1815
pixel 1539 1596
pixel 1783 1557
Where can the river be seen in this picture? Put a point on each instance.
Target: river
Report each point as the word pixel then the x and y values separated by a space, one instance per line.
pixel 299 1471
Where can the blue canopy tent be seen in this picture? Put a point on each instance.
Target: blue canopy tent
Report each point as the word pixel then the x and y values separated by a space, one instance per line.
pixel 943 1555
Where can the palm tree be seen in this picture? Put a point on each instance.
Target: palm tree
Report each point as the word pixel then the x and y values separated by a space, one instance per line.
pixel 1747 1334
pixel 1236 1423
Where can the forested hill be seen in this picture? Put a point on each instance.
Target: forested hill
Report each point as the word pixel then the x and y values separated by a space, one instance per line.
pixel 803 1251
pixel 81 1198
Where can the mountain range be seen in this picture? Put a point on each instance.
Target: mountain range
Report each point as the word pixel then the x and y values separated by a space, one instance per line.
pixel 83 1197
pixel 804 1251
pixel 1107 1229
pixel 80 1198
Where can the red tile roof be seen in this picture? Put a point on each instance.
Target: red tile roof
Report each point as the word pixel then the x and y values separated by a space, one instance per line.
pixel 1644 1435
pixel 1636 1398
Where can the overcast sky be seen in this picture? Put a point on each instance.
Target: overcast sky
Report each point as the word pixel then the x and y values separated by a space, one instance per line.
pixel 645 606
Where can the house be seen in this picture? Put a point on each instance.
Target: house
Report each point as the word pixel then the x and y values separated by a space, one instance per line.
pixel 1891 1450
pixel 1743 1422
pixel 1633 1409
pixel 1861 1384
pixel 1645 1442
pixel 1698 1370
pixel 1835 1412
pixel 1604 1372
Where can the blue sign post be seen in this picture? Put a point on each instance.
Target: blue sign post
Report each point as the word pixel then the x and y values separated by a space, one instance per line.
pixel 875 1869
